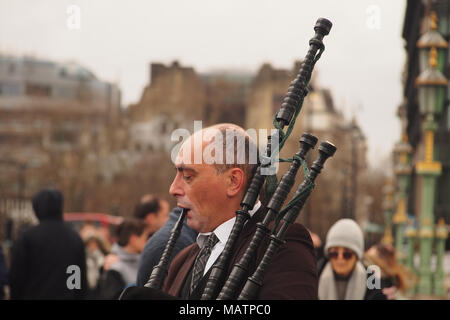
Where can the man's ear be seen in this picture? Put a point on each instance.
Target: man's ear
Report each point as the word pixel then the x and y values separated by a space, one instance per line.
pixel 236 179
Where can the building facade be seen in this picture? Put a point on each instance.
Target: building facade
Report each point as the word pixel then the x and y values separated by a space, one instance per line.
pixel 60 127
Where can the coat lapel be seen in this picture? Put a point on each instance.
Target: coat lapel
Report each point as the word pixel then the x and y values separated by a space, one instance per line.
pixel 184 270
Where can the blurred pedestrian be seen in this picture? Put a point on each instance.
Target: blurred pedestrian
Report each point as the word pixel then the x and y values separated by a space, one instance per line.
pixel 154 211
pixel 48 260
pixel 3 274
pixel 96 250
pixel 156 244
pixel 318 250
pixel 344 276
pixel 396 279
pixel 122 272
pixel 87 229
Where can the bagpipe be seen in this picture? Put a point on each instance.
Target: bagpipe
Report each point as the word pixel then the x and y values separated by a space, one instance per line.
pixel 218 285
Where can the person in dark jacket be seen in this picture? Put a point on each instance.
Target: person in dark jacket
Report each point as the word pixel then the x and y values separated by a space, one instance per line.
pixel 48 260
pixel 3 274
pixel 344 277
pixel 157 242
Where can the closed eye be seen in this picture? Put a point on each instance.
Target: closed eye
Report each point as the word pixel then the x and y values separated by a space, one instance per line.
pixel 186 172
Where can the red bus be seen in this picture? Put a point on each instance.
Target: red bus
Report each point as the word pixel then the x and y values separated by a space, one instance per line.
pixel 100 222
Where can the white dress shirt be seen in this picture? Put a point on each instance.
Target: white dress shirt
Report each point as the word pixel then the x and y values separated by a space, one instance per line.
pixel 222 232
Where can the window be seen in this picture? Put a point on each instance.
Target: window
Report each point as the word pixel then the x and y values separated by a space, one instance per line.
pixel 448 117
pixel 63 72
pixel 164 128
pixel 11 68
pixel 37 90
pixel 9 89
pixel 63 136
pixel 277 101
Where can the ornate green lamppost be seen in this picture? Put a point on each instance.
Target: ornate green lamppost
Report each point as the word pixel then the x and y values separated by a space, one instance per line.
pixel 411 237
pixel 432 39
pixel 432 85
pixel 441 235
pixel 388 208
pixel 402 171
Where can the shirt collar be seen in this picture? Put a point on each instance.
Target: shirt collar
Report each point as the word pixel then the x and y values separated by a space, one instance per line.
pixel 223 231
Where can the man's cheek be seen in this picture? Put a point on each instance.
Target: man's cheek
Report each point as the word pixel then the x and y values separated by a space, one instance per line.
pixel 191 223
pixel 206 193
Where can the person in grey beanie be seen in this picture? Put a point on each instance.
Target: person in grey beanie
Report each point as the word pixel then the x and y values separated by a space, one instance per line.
pixel 344 276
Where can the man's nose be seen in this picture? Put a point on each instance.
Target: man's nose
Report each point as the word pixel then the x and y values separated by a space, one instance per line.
pixel 176 189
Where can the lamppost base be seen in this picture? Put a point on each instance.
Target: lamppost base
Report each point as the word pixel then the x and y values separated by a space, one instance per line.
pixel 425 283
pixel 438 284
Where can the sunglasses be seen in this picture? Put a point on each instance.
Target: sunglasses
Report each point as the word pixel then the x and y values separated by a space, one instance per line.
pixel 347 255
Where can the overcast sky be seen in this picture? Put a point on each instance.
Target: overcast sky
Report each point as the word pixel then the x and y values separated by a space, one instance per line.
pixel 117 40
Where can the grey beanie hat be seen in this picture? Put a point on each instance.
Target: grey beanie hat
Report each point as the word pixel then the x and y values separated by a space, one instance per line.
pixel 345 233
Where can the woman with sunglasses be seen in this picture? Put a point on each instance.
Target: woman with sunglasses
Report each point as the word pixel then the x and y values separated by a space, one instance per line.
pixel 344 276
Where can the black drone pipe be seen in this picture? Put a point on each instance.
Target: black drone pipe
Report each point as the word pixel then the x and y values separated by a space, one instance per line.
pixel 291 105
pixel 240 269
pixel 159 272
pixel 254 283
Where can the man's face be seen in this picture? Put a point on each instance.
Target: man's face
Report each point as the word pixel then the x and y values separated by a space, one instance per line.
pixel 199 188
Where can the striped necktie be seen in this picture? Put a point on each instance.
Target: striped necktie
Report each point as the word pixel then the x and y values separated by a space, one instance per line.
pixel 200 261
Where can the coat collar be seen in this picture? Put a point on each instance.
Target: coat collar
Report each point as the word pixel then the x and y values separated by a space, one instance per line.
pixel 184 269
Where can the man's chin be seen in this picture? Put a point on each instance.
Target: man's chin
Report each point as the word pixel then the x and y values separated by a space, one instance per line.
pixel 193 224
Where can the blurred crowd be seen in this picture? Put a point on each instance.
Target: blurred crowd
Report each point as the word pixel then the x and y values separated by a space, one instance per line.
pixel 106 264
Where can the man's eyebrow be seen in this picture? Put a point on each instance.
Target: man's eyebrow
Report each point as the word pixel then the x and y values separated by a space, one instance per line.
pixel 183 167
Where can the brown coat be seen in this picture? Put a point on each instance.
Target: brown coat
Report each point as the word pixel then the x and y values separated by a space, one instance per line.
pixel 292 273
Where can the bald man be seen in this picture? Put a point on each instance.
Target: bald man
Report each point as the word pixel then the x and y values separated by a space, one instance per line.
pixel 212 176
